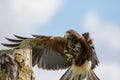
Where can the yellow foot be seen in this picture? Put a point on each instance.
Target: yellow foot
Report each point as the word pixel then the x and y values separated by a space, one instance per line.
pixel 69 57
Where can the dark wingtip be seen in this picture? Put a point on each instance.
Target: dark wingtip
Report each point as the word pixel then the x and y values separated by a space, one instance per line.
pixel 19 37
pixel 38 35
pixel 10 45
pixel 33 35
pixel 13 40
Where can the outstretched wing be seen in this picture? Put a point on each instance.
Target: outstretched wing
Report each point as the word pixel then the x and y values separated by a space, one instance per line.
pixel 94 57
pixel 47 51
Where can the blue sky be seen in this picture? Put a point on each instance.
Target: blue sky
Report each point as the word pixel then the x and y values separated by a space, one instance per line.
pixel 72 12
pixel 53 17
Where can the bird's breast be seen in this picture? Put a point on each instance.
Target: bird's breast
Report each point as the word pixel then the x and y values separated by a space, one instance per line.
pixel 81 69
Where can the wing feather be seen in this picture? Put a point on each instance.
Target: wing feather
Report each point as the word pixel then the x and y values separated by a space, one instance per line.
pixel 94 57
pixel 47 51
pixel 37 55
pixel 19 37
pixel 13 40
pixel 51 59
pixel 10 45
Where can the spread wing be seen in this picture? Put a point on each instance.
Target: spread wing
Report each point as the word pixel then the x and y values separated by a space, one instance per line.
pixel 47 51
pixel 94 57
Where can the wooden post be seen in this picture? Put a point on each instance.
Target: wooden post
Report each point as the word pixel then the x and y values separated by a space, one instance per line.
pixel 16 64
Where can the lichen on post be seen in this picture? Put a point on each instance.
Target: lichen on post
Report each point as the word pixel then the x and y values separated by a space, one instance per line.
pixel 16 64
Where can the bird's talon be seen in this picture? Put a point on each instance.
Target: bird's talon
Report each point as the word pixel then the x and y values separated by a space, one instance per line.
pixel 69 57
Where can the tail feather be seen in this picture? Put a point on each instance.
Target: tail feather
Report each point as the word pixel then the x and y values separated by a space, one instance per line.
pixel 67 75
pixel 92 75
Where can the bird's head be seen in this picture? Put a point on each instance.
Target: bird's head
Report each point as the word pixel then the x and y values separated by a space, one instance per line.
pixel 71 34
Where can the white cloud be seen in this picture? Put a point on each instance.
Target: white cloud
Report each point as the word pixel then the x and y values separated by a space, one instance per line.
pixel 22 16
pixel 108 71
pixel 47 74
pixel 104 32
pixel 27 11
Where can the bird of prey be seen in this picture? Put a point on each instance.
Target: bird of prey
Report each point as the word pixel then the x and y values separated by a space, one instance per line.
pixel 74 52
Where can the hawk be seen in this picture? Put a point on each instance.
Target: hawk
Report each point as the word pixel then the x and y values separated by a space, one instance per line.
pixel 74 52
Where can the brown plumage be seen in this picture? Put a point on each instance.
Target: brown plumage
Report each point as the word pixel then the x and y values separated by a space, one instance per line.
pixel 73 51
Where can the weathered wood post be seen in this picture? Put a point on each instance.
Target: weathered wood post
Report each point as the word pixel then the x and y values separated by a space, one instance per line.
pixel 16 64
